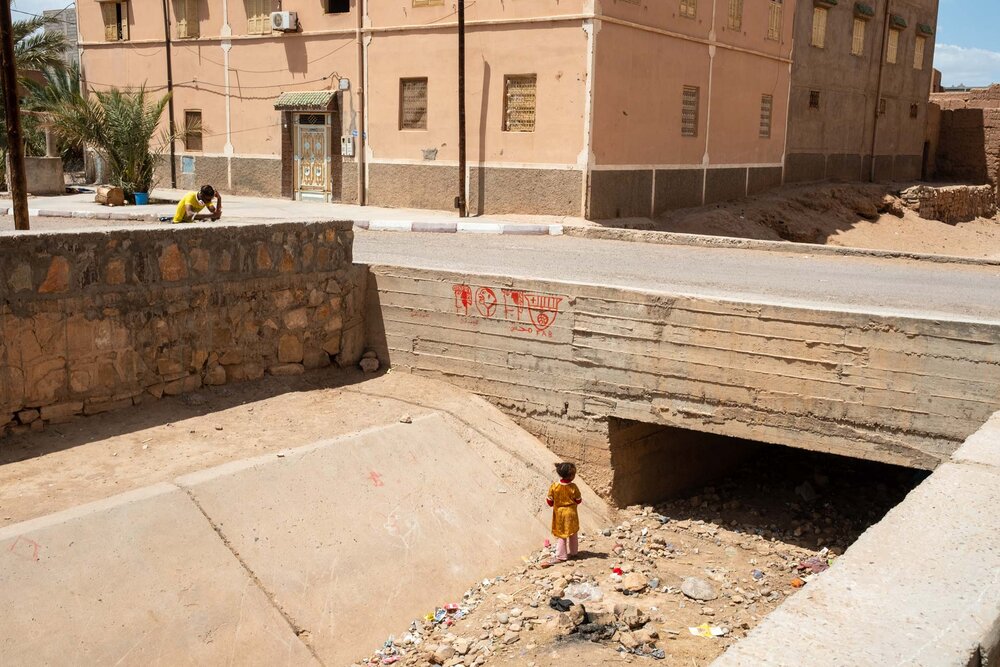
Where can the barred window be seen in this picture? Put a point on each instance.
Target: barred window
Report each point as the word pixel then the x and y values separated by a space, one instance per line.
pixel 819 27
pixel 338 6
pixel 774 21
pixel 258 17
pixel 735 14
pixel 413 104
pixel 892 52
pixel 766 106
pixel 689 112
pixel 689 8
pixel 428 3
pixel 914 111
pixel 192 130
pixel 858 38
pixel 115 16
pixel 519 103
pixel 814 99
pixel 918 52
pixel 187 19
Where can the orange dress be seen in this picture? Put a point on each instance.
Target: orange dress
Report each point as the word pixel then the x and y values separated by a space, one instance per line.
pixel 563 498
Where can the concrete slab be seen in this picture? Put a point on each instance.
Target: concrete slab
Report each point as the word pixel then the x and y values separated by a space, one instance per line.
pixel 922 587
pixel 381 526
pixel 138 579
pixel 983 446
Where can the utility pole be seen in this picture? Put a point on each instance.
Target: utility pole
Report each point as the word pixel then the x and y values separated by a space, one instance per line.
pixel 460 202
pixel 170 103
pixel 11 106
pixel 883 54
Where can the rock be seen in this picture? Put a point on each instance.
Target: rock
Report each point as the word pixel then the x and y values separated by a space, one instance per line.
pixel 285 369
pixel 511 637
pixel 503 618
pixel 606 532
pixel 515 626
pixel 698 589
pixel 646 635
pixel 370 354
pixel 462 646
pixel 443 654
pixel 27 416
pixel 634 582
pixel 406 419
pixel 577 614
pixel 630 615
pixel 369 365
pixel 601 618
pixel 628 640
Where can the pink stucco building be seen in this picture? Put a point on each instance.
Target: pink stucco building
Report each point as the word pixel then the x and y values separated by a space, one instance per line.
pixel 602 108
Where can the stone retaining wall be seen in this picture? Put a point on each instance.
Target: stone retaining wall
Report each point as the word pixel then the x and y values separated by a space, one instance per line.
pixel 951 204
pixel 94 321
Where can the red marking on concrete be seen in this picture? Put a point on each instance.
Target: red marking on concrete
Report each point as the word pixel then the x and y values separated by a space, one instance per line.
pixel 463 298
pixel 25 548
pixel 375 478
pixel 486 301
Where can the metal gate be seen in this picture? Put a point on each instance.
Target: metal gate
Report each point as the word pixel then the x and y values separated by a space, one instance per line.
pixel 312 156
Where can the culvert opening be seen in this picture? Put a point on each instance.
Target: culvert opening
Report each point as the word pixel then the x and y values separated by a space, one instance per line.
pixel 809 499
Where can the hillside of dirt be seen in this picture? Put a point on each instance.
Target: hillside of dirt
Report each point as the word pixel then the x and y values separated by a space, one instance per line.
pixel 854 215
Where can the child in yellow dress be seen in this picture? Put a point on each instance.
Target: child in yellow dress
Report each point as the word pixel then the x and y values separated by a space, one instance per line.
pixel 563 498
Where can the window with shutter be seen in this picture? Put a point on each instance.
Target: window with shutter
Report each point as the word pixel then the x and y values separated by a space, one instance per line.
pixel 258 17
pixel 858 38
pixel 766 105
pixel 774 21
pixel 192 130
pixel 892 52
pixel 819 27
pixel 519 103
pixel 918 52
pixel 735 14
pixel 689 112
pixel 689 9
pixel 115 15
pixel 413 104
pixel 187 18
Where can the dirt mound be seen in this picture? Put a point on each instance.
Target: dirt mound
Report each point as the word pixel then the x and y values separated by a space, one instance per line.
pixel 856 214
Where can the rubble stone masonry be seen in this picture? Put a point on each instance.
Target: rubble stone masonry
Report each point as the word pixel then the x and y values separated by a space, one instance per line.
pixel 951 204
pixel 94 321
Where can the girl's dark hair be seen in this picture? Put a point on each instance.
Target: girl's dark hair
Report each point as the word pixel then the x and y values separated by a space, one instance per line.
pixel 206 193
pixel 565 470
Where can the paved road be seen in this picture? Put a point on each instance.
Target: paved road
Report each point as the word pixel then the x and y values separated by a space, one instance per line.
pixel 858 284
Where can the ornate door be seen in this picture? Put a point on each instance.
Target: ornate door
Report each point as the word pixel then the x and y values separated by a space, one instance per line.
pixel 312 156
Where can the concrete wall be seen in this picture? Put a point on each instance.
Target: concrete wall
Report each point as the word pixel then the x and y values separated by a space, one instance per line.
pixel 44 175
pixel 904 391
pixel 101 320
pixel 834 141
pixel 918 588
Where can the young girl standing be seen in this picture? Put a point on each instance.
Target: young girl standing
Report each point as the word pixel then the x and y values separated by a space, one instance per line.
pixel 563 498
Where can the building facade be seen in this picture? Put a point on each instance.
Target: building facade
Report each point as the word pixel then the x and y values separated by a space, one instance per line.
pixel 861 75
pixel 63 21
pixel 601 108
pixel 964 133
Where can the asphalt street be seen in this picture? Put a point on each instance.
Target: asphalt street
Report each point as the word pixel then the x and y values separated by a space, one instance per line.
pixel 857 284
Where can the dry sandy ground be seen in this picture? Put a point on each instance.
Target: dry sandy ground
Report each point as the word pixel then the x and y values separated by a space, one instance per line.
pixel 840 215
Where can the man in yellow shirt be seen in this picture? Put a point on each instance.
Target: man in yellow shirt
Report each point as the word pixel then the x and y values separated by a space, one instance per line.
pixel 189 207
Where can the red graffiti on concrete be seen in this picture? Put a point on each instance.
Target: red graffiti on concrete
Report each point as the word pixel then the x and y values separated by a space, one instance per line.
pixel 25 548
pixel 376 478
pixel 463 297
pixel 528 312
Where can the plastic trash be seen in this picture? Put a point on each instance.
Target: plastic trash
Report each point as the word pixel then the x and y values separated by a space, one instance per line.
pixel 757 575
pixel 560 604
pixel 798 583
pixel 706 630
pixel 584 591
pixel 814 565
pixel 451 607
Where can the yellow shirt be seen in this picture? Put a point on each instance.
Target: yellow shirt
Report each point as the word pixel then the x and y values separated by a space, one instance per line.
pixel 190 199
pixel 563 498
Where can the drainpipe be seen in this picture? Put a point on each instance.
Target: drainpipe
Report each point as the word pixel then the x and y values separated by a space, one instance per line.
pixel 878 86
pixel 170 104
pixel 460 202
pixel 362 81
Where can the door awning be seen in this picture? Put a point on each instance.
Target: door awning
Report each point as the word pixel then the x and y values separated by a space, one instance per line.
pixel 320 100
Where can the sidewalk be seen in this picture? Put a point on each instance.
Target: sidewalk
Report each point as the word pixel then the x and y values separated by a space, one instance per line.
pixel 257 209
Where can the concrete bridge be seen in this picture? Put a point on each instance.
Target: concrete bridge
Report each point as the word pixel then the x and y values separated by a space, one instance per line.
pixel 627 381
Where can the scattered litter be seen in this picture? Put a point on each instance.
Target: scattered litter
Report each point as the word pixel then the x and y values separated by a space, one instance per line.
pixel 618 571
pixel 706 630
pixel 560 604
pixel 798 583
pixel 814 565
pixel 757 575
pixel 583 592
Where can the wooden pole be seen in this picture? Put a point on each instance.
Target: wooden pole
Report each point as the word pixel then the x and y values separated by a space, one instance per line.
pixel 15 141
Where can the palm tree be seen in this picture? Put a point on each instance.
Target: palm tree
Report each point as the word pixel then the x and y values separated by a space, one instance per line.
pixel 120 126
pixel 35 49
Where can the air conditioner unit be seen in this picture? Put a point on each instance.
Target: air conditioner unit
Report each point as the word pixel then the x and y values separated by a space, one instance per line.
pixel 284 21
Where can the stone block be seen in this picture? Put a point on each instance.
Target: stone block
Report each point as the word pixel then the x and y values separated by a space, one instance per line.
pixel 334 321
pixel 289 349
pixel 57 277
pixel 114 272
pixel 332 345
pixel 61 412
pixel 215 375
pixel 264 261
pixel 230 357
pixel 173 266
pixel 296 319
pixel 20 278
pixel 97 406
pixel 174 388
pixel 27 416
pixel 200 259
pixel 286 369
pixel 316 359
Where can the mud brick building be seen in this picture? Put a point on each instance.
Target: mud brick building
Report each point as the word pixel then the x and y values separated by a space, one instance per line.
pixel 861 74
pixel 600 108
pixel 965 129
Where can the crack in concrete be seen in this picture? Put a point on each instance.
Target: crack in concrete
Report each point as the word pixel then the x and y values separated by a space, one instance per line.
pixel 298 631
